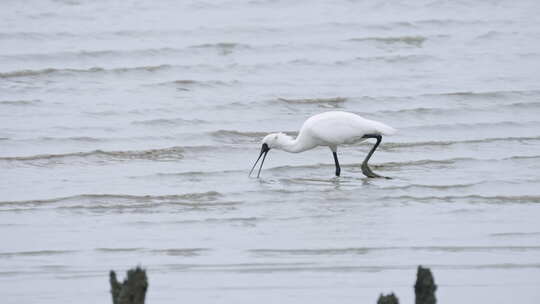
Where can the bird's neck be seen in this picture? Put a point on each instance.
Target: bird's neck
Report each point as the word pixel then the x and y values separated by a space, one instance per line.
pixel 289 144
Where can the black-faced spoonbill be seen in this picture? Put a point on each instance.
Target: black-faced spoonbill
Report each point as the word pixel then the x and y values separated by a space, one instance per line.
pixel 329 129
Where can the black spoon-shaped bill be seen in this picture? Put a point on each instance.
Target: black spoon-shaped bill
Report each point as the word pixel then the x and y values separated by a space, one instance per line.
pixel 264 150
pixel 262 162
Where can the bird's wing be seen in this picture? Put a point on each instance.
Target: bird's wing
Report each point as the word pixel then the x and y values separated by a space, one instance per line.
pixel 334 130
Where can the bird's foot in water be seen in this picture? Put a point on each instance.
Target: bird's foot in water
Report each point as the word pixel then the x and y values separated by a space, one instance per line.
pixel 367 172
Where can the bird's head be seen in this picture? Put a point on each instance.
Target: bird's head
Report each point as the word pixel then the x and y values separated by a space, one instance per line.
pixel 272 140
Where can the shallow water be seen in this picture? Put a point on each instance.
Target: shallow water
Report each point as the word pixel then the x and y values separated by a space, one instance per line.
pixel 127 131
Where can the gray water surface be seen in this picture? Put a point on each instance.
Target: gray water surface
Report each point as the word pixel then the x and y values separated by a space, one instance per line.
pixel 127 131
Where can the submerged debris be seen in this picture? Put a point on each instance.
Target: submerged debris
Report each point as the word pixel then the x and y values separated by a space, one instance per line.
pixel 388 299
pixel 425 287
pixel 132 290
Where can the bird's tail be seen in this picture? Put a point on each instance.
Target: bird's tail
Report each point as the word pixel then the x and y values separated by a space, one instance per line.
pixel 384 129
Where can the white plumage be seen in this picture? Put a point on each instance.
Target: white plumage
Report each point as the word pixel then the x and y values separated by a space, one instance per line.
pixel 329 129
pixel 336 128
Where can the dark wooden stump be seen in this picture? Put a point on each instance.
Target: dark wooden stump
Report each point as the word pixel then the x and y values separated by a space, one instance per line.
pixel 132 290
pixel 425 287
pixel 388 299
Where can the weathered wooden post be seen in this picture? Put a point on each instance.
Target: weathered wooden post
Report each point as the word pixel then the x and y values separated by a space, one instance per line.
pixel 388 299
pixel 425 287
pixel 132 290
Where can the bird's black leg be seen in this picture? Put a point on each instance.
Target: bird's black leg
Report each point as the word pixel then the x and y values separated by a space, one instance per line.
pixel 365 169
pixel 338 168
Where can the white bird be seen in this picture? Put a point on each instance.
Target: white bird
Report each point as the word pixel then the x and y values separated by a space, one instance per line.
pixel 329 129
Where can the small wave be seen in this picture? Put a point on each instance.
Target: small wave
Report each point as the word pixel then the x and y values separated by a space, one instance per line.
pixel 474 248
pixel 86 54
pixel 522 105
pixel 49 71
pixel 396 59
pixel 231 220
pixel 115 34
pixel 323 251
pixel 192 173
pixel 313 100
pixel 458 111
pixel 184 81
pixel 184 252
pixel 221 45
pixel 19 35
pixel 149 68
pixel 390 25
pixel 456 22
pixel 409 40
pixel 486 94
pixel 103 113
pixel 270 268
pixel 394 145
pixel 493 34
pixel 166 154
pixel 459 95
pixel 434 187
pixel 119 250
pixel 35 253
pixel 380 166
pixel 169 122
pixel 415 163
pixel 33 102
pixel 495 266
pixel 195 199
pixel 408 59
pixel 314 166
pixel 30 73
pixel 499 199
pixel 184 84
pixel 517 125
pixel 231 136
pixel 229 266
pixel 515 234
pixel 241 220
pixel 225 48
pixel 521 157
pixel 421 110
pixel 425 162
pixel 366 250
pixel 73 138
